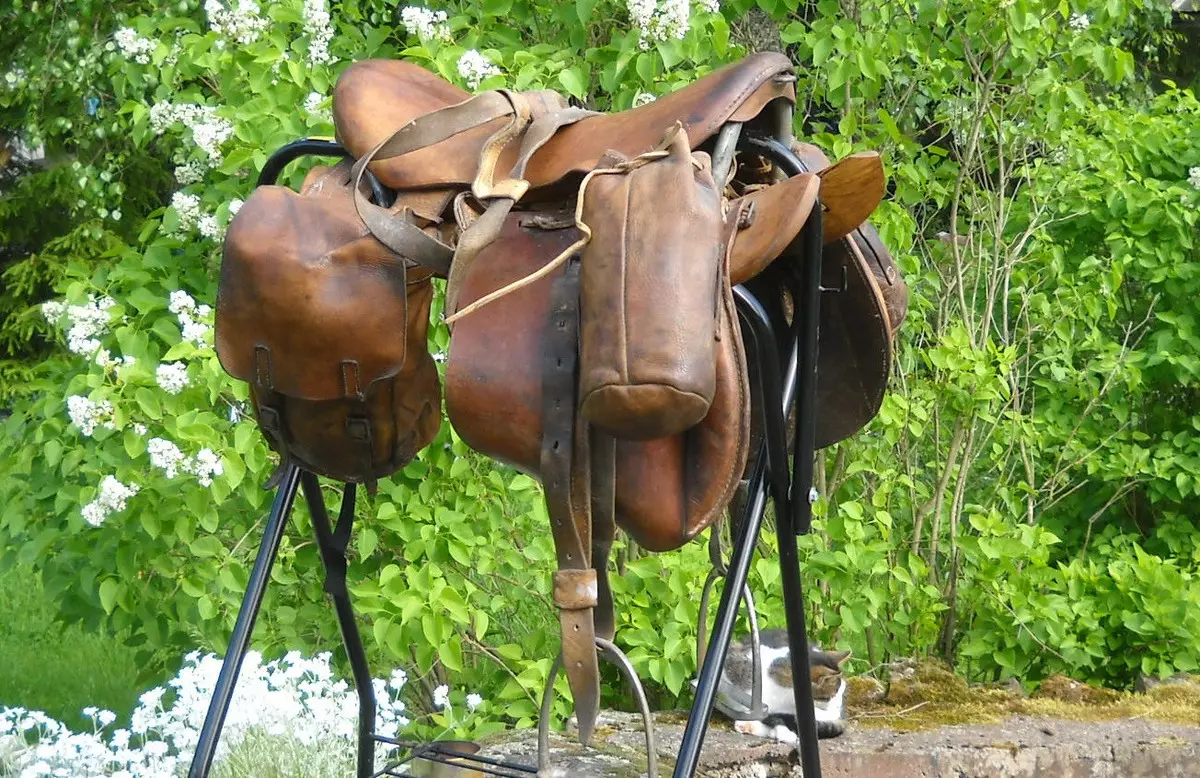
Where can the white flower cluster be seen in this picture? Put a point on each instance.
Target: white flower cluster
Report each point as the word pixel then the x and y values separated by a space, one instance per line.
pixel 209 131
pixel 15 78
pixel 188 208
pixel 425 23
pixel 134 46
pixel 294 698
pixel 87 415
pixel 473 67
pixel 659 22
pixel 1194 176
pixel 313 107
pixel 167 457
pixel 191 216
pixel 241 22
pixel 172 377
pixel 88 322
pixel 191 316
pixel 111 499
pixel 190 172
pixel 712 6
pixel 319 28
pixel 105 359
pixel 235 206
pixel 643 98
pixel 1080 22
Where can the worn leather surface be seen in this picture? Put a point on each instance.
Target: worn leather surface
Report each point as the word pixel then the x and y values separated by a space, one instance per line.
pixel 878 258
pixel 762 223
pixel 649 292
pixel 329 330
pixel 857 323
pixel 564 444
pixel 374 98
pixel 667 489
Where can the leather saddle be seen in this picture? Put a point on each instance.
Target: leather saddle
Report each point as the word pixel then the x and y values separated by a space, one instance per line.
pixel 492 192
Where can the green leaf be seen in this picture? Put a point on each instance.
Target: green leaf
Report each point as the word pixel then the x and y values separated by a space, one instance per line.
pixel 109 589
pixel 793 32
pixel 368 541
pixel 481 621
pixel 574 81
pixel 206 546
pixel 52 452
pixel 584 9
pixel 821 50
pixel 148 401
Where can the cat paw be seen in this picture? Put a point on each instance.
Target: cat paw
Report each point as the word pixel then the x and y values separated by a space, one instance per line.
pixel 746 727
pixel 785 735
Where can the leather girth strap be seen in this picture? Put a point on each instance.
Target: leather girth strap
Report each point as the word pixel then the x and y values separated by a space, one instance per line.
pixel 579 479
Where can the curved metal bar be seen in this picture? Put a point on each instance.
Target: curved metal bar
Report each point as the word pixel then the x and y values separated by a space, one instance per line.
pixel 318 147
pixel 617 656
pixel 756 690
pixel 702 621
pixel 756 711
pixel 723 152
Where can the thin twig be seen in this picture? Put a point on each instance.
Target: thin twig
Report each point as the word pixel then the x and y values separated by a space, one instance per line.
pixel 918 706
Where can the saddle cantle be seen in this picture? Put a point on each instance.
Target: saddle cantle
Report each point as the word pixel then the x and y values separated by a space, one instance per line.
pixel 374 98
pixel 594 340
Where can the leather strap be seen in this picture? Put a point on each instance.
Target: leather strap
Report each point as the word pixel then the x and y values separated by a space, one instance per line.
pixel 484 230
pixel 604 525
pixel 535 118
pixel 575 586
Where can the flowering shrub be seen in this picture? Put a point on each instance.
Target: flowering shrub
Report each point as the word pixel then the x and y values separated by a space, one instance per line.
pixel 289 716
pixel 1036 384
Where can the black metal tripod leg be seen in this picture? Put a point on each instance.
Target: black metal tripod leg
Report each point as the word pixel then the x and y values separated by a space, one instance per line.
pixel 773 395
pixel 718 646
pixel 332 547
pixel 796 518
pixel 239 642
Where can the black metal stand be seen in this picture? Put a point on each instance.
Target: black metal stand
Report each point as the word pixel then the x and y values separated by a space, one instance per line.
pixel 767 341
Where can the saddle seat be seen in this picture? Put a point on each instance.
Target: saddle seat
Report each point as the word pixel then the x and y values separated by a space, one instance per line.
pixel 374 98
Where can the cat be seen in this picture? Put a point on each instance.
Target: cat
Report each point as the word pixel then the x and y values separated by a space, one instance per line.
pixel 736 687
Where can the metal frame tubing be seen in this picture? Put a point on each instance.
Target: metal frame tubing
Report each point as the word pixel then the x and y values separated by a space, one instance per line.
pixel 256 588
pixel 789 486
pixel 331 545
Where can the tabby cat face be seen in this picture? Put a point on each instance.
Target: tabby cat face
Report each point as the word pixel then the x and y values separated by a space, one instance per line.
pixel 826 672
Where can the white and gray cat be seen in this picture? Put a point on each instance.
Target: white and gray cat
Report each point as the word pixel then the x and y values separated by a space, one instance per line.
pixel 736 687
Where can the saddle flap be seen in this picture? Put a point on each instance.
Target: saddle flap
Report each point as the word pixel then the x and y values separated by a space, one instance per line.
pixel 309 304
pixel 667 489
pixel 764 222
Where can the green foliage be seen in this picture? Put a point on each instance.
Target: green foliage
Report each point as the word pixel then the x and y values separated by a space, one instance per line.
pixel 60 669
pixel 1020 502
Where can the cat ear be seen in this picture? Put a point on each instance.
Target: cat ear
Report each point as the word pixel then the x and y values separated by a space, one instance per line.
pixel 839 657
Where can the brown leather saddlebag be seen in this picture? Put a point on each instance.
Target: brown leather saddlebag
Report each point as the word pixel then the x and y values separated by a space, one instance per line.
pixel 328 327
pixel 650 287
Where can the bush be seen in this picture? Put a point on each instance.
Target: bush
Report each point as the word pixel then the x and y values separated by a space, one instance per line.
pixel 1036 452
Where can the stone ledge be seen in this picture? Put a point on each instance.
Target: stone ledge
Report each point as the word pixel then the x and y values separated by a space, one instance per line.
pixel 1020 747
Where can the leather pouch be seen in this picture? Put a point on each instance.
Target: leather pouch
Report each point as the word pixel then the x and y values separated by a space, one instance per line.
pixel 651 278
pixel 328 327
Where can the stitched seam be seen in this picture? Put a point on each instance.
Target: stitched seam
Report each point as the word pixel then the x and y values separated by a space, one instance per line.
pixel 881 363
pixel 624 275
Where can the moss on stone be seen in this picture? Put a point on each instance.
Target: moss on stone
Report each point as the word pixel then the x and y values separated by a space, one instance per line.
pixel 931 695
